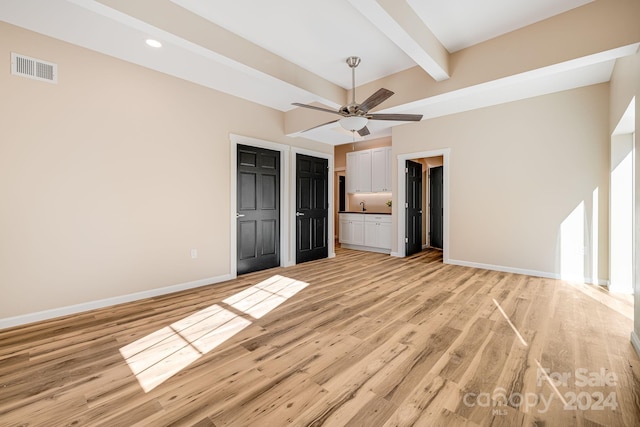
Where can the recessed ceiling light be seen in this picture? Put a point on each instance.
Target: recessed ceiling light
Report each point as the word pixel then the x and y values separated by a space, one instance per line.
pixel 154 43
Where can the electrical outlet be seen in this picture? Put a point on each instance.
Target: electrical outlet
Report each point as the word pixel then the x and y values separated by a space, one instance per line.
pixel 194 253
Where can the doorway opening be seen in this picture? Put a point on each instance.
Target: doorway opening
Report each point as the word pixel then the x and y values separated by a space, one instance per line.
pixel 434 194
pixel 424 204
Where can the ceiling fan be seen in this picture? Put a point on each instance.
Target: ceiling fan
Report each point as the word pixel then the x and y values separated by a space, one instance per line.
pixel 354 116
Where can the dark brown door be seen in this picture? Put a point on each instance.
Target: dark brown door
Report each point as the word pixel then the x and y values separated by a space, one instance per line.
pixel 413 236
pixel 312 213
pixel 258 232
pixel 436 186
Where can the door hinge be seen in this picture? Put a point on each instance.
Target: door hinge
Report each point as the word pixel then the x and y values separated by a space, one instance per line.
pixel 406 240
pixel 406 205
pixel 406 170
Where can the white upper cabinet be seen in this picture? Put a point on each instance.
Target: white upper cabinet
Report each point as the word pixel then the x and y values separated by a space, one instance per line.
pixel 359 172
pixel 369 171
pixel 381 169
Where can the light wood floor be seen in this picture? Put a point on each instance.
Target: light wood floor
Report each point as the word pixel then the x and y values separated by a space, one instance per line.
pixel 362 339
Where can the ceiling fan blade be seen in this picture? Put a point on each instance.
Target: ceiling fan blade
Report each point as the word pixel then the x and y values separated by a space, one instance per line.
pixel 326 110
pixel 323 124
pixel 398 117
pixel 374 100
pixel 364 131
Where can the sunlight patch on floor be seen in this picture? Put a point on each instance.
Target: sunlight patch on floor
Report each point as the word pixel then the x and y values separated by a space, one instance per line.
pixel 160 355
pixel 620 303
pixel 515 330
pixel 260 299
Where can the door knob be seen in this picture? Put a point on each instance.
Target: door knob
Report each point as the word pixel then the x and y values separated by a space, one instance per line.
pixel 299 214
pixel 238 215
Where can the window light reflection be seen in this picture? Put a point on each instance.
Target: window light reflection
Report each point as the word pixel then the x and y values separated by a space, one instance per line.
pixel 158 356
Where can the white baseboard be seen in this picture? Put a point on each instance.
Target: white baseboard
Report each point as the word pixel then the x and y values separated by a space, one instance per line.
pixel 636 342
pixel 619 289
pixel 107 302
pixel 503 269
pixel 535 273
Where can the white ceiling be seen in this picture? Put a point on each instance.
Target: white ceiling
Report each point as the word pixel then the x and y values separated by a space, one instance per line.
pixel 463 23
pixel 316 36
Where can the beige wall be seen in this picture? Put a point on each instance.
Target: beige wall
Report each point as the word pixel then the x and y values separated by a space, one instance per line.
pixel 112 176
pixel 517 171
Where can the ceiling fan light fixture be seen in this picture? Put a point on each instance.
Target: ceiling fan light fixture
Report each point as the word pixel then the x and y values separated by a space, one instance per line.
pixel 353 116
pixel 353 123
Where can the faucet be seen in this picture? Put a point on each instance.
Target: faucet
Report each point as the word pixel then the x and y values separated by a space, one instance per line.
pixel 363 207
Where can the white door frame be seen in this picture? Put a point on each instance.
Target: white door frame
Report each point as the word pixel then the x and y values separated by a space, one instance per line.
pixel 236 140
pixel 402 196
pixel 331 212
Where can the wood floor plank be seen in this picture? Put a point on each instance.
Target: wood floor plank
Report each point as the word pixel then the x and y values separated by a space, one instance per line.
pixel 366 339
pixel 424 353
pixel 280 403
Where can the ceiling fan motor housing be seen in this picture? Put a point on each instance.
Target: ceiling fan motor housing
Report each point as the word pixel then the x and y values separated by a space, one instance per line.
pixel 351 109
pixel 353 61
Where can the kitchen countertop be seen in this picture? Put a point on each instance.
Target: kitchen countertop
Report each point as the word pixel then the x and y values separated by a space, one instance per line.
pixel 366 212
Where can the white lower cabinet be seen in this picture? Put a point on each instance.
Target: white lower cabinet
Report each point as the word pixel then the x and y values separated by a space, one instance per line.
pixel 366 232
pixel 377 231
pixel 352 229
